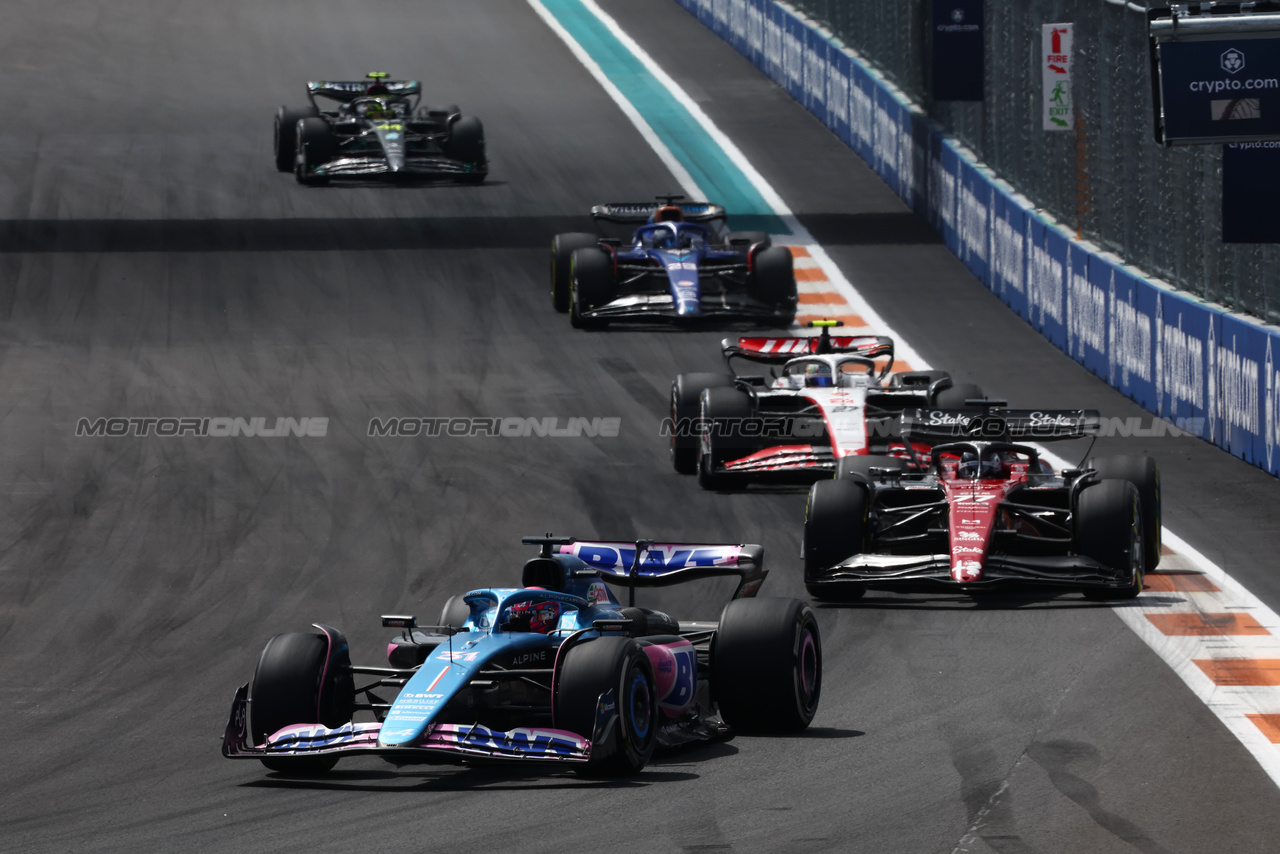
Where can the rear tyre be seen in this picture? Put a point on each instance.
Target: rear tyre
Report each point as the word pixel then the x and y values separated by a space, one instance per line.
pixel 766 665
pixel 685 393
pixel 286 134
pixel 1143 473
pixel 455 612
pixel 315 147
pixel 591 285
pixel 954 397
pixel 744 240
pixel 292 685
pixel 835 529
pixel 466 143
pixel 774 280
pixel 859 467
pixel 562 246
pixel 1109 530
pixel 593 668
pixel 722 411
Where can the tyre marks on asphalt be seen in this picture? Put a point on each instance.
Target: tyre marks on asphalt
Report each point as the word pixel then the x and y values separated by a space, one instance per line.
pixel 1181 624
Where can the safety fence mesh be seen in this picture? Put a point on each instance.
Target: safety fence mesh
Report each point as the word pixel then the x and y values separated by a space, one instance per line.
pixel 1160 209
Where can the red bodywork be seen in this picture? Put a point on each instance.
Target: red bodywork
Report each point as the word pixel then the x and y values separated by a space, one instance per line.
pixel 973 504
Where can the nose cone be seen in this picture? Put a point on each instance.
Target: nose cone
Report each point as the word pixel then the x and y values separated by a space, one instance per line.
pixel 682 271
pixel 391 135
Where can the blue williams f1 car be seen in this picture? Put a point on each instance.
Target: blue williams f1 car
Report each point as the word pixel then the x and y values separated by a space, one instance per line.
pixel 681 263
pixel 556 671
pixel 378 131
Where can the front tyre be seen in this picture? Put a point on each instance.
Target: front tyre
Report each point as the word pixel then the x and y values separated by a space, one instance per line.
pixel 835 526
pixel 1109 530
pixel 466 143
pixel 286 134
pixel 766 665
pixel 595 668
pixel 722 412
pixel 1143 473
pixel 562 247
pixel 591 285
pixel 773 279
pixel 315 147
pixel 299 681
pixel 685 393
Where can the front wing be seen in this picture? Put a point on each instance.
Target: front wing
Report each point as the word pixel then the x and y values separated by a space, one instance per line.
pixel 663 307
pixel 366 167
pixel 439 742
pixel 933 571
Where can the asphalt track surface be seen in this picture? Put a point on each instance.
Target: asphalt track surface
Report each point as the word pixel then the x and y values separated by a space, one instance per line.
pixel 152 263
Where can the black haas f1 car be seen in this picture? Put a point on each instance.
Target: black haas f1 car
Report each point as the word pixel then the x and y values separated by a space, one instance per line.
pixel 680 263
pixel 378 131
pixel 829 406
pixel 555 671
pixel 986 513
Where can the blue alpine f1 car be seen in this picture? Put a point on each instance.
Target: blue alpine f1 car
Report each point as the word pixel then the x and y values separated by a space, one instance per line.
pixel 555 671
pixel 681 263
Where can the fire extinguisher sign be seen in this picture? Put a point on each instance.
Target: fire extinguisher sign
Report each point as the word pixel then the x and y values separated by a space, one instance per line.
pixel 1055 53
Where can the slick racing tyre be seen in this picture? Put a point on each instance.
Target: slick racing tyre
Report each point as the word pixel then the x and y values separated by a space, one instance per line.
pixel 298 681
pixel 773 280
pixel 859 467
pixel 591 285
pixel 835 529
pixel 1109 530
pixel 722 412
pixel 466 143
pixel 439 112
pixel 766 665
pixel 315 147
pixel 609 665
pixel 685 393
pixel 562 246
pixel 455 612
pixel 286 134
pixel 1145 476
pixel 744 240
pixel 954 397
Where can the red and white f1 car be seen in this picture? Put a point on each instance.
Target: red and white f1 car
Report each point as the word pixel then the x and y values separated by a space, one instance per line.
pixel 986 513
pixel 829 406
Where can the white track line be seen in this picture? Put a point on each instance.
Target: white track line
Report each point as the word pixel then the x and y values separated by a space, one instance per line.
pixel 1232 704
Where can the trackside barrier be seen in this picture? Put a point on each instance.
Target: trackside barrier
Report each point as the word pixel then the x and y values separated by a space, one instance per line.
pixel 1169 352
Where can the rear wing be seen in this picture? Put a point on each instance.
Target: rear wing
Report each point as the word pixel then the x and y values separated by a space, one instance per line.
pixel 346 91
pixel 645 563
pixel 639 212
pixel 935 426
pixel 776 351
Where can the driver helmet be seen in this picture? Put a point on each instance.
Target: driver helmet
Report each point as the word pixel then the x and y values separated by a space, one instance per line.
pixel 817 375
pixel 666 238
pixel 377 110
pixel 540 617
pixel 984 466
pixel 668 213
